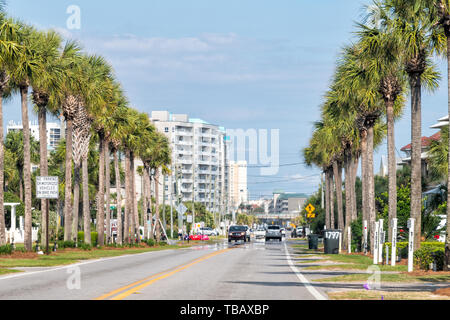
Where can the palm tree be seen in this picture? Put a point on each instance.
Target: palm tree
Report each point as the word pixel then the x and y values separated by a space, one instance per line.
pixel 26 69
pixel 9 52
pixel 382 53
pixel 44 88
pixel 413 24
pixel 441 12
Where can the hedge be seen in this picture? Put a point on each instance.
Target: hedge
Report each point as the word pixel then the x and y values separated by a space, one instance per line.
pixel 94 238
pixel 6 249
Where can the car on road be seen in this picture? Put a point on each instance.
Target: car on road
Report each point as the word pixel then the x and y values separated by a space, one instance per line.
pixel 237 233
pixel 260 233
pixel 274 232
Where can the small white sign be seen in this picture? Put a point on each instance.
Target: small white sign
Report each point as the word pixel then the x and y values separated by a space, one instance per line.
pixel 181 209
pixel 189 219
pixel 47 188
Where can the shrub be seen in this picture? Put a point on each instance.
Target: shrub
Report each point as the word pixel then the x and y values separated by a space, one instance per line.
pixel 94 237
pixel 86 247
pixel 426 255
pixel 6 249
pixel 151 242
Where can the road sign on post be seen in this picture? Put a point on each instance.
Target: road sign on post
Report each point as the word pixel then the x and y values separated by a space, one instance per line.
pixel 47 188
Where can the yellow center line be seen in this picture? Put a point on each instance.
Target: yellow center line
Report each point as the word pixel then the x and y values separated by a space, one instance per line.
pixel 152 279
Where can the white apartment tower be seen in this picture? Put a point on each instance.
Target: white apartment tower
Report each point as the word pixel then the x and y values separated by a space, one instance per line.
pixel 199 158
pixel 238 183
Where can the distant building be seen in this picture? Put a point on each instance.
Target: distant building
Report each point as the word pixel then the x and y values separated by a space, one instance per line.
pixel 287 203
pixel 238 183
pixel 54 132
pixel 199 154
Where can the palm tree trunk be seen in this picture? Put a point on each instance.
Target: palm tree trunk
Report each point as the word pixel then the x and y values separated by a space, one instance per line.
pixel 416 157
pixel 157 224
pixel 134 198
pixel 337 170
pixel 76 200
pixel 392 165
pixel 327 200
pixel 2 176
pixel 127 226
pixel 353 189
pixel 42 115
pixel 348 169
pixel 371 186
pixel 101 194
pixel 27 168
pixel 332 211
pixel 108 193
pixel 145 200
pixel 86 208
pixel 364 179
pixel 119 197
pixel 447 238
pixel 68 181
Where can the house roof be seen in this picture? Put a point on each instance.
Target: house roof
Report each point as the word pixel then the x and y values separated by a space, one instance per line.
pixel 426 141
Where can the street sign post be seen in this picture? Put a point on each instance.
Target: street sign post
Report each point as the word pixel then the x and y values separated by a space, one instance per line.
pixel 365 237
pixel 46 189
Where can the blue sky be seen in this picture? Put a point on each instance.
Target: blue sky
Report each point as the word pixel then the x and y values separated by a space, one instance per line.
pixel 253 64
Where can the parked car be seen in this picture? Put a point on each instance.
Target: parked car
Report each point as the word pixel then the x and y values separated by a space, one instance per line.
pixel 237 233
pixel 274 232
pixel 208 231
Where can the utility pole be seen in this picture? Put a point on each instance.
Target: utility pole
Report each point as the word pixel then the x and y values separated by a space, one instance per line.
pixel 171 204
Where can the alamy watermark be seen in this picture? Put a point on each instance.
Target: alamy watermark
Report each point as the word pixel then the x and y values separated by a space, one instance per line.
pixel 74 280
pixel 257 148
pixel 74 20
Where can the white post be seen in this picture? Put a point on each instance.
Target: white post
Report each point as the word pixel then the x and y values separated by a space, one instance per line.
pixel 381 240
pixel 13 218
pixel 349 239
pixel 411 245
pixel 365 237
pixel 375 243
pixel 394 242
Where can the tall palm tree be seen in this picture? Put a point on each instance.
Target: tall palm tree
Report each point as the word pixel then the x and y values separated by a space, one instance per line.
pixel 382 54
pixel 25 70
pixel 441 12
pixel 44 88
pixel 419 40
pixel 10 50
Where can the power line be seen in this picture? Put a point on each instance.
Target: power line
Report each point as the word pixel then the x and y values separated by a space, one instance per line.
pixel 287 180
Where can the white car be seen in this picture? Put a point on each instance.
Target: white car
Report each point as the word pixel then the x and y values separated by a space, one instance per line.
pixel 260 233
pixel 207 231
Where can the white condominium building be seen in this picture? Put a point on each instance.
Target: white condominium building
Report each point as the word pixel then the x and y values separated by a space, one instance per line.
pixel 199 158
pixel 238 183
pixel 54 132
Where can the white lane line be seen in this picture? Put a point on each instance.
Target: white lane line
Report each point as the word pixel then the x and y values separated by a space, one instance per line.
pixel 302 278
pixel 18 275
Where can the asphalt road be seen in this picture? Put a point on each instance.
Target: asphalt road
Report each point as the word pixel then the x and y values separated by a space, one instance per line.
pixel 244 271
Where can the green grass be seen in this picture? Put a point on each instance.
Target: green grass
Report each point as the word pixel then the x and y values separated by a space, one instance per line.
pixel 389 277
pixel 378 295
pixel 6 271
pixel 69 257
